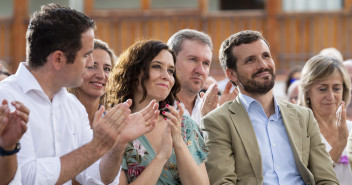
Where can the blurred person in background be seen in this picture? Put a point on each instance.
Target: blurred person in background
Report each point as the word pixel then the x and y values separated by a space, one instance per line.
pixel 332 52
pixel 293 91
pixel 293 75
pixel 348 66
pixel 3 72
pixel 325 87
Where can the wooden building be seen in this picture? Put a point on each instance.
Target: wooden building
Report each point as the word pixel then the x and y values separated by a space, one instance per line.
pixel 294 37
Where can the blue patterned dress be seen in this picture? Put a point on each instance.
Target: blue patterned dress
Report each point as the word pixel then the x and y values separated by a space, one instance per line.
pixel 139 153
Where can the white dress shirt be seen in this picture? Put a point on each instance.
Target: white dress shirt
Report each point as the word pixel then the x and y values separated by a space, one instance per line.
pixel 55 128
pixel 196 112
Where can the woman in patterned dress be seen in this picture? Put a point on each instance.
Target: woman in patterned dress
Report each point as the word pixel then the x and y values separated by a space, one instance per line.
pixel 146 71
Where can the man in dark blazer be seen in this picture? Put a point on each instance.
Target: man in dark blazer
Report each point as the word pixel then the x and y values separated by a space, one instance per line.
pixel 258 139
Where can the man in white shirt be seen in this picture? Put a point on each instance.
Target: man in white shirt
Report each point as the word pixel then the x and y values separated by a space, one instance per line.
pixel 193 51
pixel 59 144
pixel 12 127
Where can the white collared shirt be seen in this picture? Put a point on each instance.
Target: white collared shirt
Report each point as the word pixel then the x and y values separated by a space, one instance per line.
pixel 196 112
pixel 55 128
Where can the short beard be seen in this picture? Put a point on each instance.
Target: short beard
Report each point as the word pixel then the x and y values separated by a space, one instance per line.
pixel 254 87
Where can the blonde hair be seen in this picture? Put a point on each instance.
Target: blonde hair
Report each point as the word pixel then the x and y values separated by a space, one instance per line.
pixel 99 44
pixel 318 68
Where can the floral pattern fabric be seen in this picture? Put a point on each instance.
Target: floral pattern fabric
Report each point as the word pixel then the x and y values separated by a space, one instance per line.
pixel 139 153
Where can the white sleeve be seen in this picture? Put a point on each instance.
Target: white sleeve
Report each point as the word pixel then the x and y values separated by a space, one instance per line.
pixel 36 170
pixel 17 179
pixel 90 176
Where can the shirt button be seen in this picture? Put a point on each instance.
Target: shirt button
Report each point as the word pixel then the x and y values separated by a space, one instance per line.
pixel 274 144
pixel 277 168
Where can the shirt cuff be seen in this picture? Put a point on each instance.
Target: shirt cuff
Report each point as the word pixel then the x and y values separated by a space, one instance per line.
pixel 91 176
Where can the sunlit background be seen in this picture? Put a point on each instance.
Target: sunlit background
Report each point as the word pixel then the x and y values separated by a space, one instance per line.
pixel 295 29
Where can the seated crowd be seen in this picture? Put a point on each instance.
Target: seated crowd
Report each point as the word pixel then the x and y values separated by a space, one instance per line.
pixel 74 113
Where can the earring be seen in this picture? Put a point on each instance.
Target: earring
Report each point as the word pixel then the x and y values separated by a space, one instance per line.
pixel 308 101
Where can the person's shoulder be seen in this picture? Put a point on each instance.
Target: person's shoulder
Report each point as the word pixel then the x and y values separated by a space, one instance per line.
pixel 9 87
pixel 9 83
pixel 293 107
pixel 222 110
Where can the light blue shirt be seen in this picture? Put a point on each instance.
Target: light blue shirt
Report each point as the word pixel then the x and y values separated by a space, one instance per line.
pixel 278 163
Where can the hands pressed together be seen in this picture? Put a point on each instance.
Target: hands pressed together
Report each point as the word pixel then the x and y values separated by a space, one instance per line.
pixel 172 137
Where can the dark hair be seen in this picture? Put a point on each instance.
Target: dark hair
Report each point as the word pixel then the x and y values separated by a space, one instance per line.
pixel 124 78
pixel 289 79
pixel 5 73
pixel 227 59
pixel 55 27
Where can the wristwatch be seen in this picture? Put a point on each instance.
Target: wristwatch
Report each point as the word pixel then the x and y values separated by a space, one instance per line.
pixel 8 153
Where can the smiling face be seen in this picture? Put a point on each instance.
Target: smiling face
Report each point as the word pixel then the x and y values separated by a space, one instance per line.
pixel 255 72
pixel 161 77
pixel 326 95
pixel 96 75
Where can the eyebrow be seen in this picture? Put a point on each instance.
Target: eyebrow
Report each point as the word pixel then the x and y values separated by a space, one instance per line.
pixel 156 61
pixel 89 52
pixel 251 56
pixel 194 56
pixel 323 84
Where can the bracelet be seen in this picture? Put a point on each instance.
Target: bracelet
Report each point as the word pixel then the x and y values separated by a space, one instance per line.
pixel 8 153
